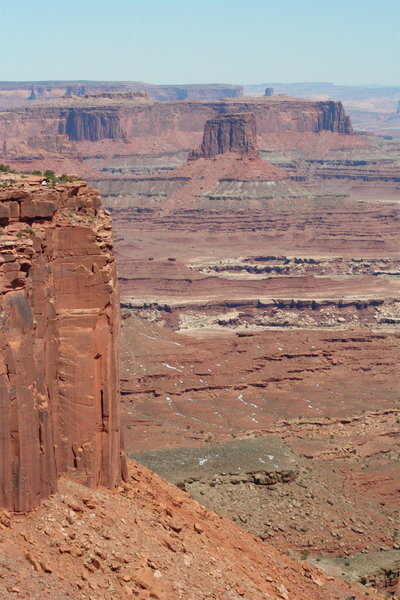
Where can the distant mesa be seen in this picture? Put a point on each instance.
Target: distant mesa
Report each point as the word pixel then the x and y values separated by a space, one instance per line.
pixel 269 91
pixel 120 95
pixel 235 132
pixel 228 153
pixel 75 90
pixel 79 93
pixel 38 93
pixel 50 90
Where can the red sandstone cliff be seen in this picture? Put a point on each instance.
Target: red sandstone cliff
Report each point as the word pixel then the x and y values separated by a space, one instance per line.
pixel 91 124
pixel 78 130
pixel 228 153
pixel 81 120
pixel 230 133
pixel 59 314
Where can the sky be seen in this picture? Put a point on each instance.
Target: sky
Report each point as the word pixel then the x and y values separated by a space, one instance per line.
pixel 347 42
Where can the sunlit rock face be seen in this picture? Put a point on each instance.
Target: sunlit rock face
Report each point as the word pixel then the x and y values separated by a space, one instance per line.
pixel 230 133
pixel 59 314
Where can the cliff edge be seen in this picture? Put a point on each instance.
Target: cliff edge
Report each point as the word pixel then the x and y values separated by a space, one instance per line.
pixel 59 314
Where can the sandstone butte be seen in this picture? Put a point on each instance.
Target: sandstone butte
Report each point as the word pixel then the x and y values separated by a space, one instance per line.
pixel 63 131
pixel 59 336
pixel 229 151
pixel 60 416
pixel 233 132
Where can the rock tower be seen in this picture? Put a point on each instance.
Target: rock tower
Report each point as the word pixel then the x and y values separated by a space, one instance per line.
pixel 59 334
pixel 234 132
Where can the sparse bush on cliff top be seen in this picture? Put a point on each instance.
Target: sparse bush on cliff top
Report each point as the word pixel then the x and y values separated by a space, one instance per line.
pixel 6 169
pixel 56 179
pixel 66 178
pixel 49 174
pixel 7 183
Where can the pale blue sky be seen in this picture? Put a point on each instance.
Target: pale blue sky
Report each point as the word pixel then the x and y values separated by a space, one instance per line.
pixel 201 41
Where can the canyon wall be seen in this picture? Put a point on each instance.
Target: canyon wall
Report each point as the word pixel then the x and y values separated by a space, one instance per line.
pixel 102 119
pixel 91 125
pixel 59 312
pixel 15 93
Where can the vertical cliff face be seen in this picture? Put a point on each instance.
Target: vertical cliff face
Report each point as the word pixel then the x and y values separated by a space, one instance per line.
pixel 66 126
pixel 59 315
pixel 332 117
pixel 37 93
pixel 75 90
pixel 91 124
pixel 229 133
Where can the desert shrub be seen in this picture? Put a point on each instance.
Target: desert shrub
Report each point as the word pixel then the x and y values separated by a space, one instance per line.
pixel 56 179
pixel 7 183
pixel 6 169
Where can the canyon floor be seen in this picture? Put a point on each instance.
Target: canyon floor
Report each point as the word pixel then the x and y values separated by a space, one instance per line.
pixel 260 310
pixel 256 308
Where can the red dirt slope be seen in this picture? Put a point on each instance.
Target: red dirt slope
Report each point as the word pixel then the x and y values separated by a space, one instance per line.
pixel 147 541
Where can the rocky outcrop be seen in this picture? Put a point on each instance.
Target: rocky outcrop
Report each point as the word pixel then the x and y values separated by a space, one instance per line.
pixel 59 313
pixel 126 119
pixel 37 93
pixel 229 133
pixel 75 90
pixel 152 541
pixel 93 125
pixel 334 118
pixel 269 91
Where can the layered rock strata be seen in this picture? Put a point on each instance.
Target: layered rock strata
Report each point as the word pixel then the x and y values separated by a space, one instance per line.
pixel 119 95
pixel 94 119
pixel 229 133
pixel 91 125
pixel 59 312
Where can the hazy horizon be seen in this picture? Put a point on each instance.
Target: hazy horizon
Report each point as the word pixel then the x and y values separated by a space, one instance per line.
pixel 178 83
pixel 181 42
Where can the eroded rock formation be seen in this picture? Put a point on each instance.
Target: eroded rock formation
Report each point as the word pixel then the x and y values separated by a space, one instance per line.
pixel 59 313
pixel 334 118
pixel 229 133
pixel 75 90
pixel 91 125
pixel 38 93
pixel 173 125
